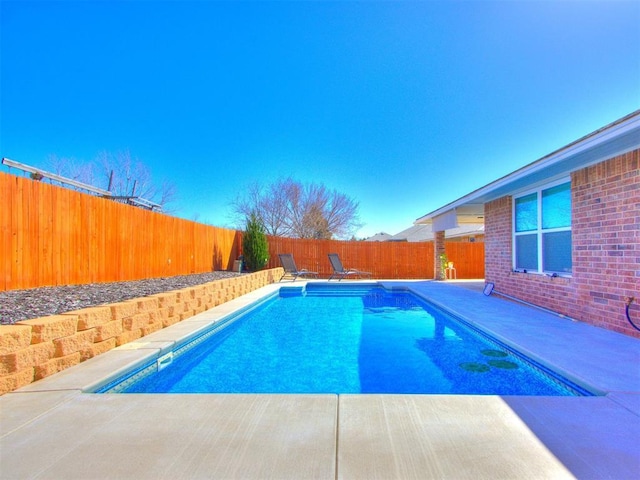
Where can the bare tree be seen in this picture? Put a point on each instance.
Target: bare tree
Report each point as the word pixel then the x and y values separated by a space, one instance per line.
pixel 270 203
pixel 288 208
pixel 341 214
pixel 120 173
pixel 71 168
pixel 314 224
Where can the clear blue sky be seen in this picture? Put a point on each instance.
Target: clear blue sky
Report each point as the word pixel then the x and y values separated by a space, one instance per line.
pixel 405 106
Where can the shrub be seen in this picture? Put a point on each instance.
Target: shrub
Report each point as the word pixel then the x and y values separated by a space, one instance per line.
pixel 255 248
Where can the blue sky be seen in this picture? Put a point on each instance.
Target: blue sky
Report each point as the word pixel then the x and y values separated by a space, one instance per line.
pixel 405 106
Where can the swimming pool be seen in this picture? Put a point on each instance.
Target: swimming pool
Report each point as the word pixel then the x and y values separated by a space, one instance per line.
pixel 354 338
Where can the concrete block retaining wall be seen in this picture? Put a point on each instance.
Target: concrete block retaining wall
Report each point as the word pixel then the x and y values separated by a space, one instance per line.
pixel 34 349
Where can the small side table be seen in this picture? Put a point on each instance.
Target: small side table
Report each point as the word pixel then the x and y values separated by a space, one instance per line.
pixel 450 272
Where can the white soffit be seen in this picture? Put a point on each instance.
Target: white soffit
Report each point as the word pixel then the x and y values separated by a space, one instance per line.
pixel 445 221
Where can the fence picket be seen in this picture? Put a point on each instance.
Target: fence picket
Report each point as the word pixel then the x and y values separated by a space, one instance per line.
pixel 50 235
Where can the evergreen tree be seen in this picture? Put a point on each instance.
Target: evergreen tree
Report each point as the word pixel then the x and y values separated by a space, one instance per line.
pixel 254 244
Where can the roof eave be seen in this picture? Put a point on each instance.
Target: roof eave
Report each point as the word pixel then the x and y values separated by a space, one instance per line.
pixel 627 127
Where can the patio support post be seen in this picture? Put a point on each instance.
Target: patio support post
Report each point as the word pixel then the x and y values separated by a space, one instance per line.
pixel 438 249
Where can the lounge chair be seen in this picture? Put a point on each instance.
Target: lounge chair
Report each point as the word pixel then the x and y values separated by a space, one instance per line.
pixel 340 272
pixel 290 269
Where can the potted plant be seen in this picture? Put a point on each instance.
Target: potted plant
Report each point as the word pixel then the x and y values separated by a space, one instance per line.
pixel 443 265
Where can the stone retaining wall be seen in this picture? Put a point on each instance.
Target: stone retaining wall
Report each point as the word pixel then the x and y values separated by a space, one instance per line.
pixel 34 349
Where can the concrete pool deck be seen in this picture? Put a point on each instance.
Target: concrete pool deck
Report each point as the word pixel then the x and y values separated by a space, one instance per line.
pixel 51 429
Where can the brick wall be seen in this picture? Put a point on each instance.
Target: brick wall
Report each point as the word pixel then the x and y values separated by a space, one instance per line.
pixel 439 250
pixel 34 349
pixel 606 248
pixel 497 241
pixel 606 239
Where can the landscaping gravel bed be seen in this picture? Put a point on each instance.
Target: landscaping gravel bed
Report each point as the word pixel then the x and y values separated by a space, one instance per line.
pixel 16 305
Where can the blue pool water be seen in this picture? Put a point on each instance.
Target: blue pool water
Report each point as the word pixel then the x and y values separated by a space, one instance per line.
pixel 346 339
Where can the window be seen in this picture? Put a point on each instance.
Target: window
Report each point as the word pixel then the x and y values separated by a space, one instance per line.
pixel 542 230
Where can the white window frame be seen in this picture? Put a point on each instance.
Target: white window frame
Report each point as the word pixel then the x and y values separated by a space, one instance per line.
pixel 539 231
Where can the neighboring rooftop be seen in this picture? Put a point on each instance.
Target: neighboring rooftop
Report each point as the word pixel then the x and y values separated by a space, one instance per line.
pixel 424 233
pixel 379 237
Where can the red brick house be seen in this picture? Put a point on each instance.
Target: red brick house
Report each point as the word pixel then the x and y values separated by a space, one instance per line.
pixel 563 232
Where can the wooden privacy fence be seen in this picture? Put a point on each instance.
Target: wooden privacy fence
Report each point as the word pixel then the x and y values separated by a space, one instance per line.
pixel 467 258
pixel 55 236
pixel 392 260
pixel 50 235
